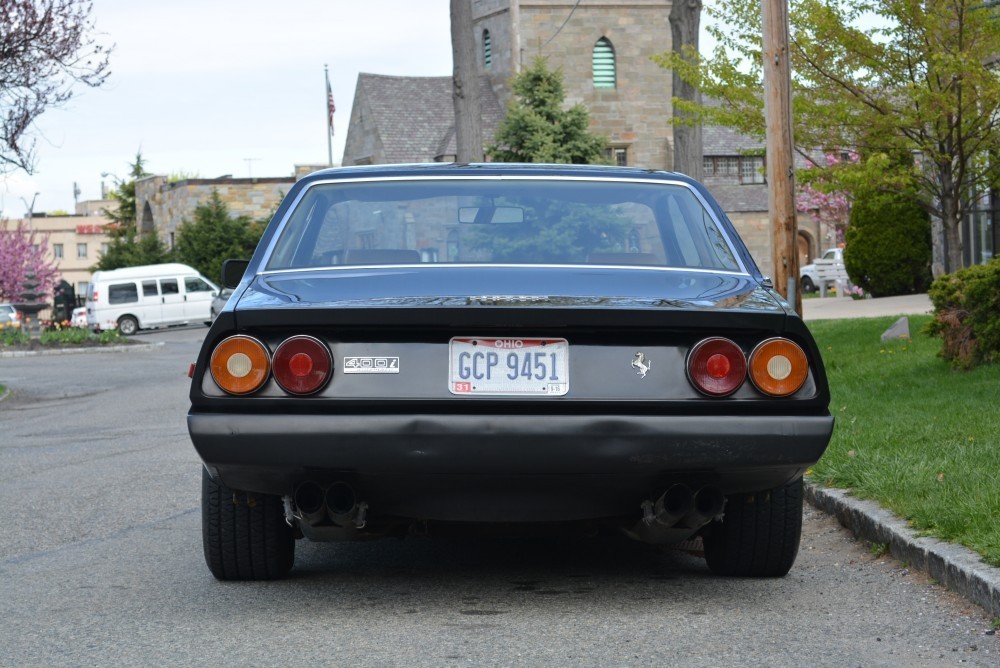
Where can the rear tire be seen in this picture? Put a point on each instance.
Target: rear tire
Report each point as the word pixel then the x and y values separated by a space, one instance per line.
pixel 245 535
pixel 128 325
pixel 759 533
pixel 808 285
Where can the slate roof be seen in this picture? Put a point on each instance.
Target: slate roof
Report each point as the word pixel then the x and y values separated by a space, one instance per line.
pixel 415 116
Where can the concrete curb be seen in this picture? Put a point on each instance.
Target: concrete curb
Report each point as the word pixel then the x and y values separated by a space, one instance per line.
pixel 956 567
pixel 137 347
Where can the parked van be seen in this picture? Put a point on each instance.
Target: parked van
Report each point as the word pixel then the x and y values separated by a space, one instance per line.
pixel 154 295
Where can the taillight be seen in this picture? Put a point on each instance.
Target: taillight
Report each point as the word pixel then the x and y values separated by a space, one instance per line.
pixel 778 367
pixel 240 364
pixel 302 365
pixel 717 367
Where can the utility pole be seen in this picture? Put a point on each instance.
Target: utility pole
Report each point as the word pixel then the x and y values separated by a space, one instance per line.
pixel 780 166
pixel 465 85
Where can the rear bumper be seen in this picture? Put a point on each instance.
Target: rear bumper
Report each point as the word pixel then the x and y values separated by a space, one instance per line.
pixel 507 467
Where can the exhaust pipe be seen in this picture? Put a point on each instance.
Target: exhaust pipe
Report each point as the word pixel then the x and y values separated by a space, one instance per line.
pixel 708 503
pixel 341 503
pixel 672 505
pixel 309 502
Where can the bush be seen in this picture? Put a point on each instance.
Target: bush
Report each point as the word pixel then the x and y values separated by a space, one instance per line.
pixel 967 315
pixel 888 245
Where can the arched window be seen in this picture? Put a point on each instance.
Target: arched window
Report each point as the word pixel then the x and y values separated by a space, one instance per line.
pixel 604 64
pixel 487 50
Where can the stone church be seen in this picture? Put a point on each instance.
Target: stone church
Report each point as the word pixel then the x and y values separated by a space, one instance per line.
pixel 603 48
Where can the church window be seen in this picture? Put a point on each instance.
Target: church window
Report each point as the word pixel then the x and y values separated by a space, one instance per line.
pixel 604 64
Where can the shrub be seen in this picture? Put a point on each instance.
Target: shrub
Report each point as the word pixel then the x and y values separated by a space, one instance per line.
pixel 888 245
pixel 967 315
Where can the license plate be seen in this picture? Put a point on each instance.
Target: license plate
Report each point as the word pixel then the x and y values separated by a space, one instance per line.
pixel 508 367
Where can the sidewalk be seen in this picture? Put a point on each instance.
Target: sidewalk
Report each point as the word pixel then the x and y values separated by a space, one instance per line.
pixel 829 308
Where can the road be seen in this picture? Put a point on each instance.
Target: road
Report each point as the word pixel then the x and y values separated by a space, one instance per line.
pixel 101 564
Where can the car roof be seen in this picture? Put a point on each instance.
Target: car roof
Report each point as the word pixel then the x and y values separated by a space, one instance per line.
pixel 496 169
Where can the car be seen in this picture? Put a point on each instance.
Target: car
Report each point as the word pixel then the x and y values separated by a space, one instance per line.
pixel 8 314
pixel 809 276
pixel 218 303
pixel 79 318
pixel 565 346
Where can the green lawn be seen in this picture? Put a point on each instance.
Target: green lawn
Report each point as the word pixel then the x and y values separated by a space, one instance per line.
pixel 912 434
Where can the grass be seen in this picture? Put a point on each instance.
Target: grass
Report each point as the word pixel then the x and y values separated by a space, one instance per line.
pixel 913 434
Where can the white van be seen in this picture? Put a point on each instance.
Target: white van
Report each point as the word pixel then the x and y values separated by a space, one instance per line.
pixel 153 295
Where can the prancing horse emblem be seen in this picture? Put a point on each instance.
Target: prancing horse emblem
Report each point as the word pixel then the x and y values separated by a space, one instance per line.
pixel 641 364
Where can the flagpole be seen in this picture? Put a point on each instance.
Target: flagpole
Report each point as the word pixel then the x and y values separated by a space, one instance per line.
pixel 329 117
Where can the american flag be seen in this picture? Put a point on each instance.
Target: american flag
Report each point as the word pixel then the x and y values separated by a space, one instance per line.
pixel 330 106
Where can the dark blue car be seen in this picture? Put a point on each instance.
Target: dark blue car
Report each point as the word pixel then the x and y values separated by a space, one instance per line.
pixel 494 343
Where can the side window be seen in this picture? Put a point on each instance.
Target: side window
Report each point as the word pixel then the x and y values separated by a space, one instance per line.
pixel 195 284
pixel 122 293
pixel 149 289
pixel 169 286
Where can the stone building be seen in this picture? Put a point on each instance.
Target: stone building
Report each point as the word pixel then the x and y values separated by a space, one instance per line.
pixel 603 48
pixel 162 205
pixel 75 241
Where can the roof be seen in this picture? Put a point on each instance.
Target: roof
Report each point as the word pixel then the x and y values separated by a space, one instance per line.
pixel 415 116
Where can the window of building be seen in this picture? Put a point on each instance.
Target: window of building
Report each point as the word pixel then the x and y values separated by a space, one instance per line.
pixel 749 169
pixel 81 251
pixel 487 50
pixel 104 248
pixel 604 64
pixel 57 251
pixel 82 288
pixel 617 155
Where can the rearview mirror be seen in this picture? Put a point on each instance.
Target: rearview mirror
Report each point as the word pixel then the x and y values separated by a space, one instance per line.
pixel 232 272
pixel 490 215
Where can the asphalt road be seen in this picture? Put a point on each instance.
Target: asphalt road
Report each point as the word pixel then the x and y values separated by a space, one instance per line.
pixel 101 564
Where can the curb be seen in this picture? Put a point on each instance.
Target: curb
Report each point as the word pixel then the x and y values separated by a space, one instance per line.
pixel 956 567
pixel 136 347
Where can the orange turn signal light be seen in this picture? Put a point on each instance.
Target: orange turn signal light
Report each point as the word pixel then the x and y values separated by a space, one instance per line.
pixel 240 364
pixel 778 367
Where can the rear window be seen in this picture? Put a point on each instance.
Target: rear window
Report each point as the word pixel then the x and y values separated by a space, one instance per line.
pixel 510 221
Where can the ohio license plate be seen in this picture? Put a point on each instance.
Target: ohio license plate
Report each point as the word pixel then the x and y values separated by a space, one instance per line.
pixel 508 366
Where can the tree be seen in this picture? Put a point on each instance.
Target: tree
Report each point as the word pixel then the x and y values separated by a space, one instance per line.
pixel 828 207
pixel 213 237
pixel 127 246
pixel 537 128
pixel 916 77
pixel 23 251
pixel 888 248
pixel 46 46
pixel 685 19
pixel 465 85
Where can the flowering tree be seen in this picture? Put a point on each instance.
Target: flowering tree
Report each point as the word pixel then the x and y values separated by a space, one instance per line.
pixel 830 208
pixel 22 252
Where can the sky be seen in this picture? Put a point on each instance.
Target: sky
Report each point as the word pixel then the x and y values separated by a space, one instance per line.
pixel 206 88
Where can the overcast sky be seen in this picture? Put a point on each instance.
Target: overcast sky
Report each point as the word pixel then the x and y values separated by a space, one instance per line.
pixel 201 86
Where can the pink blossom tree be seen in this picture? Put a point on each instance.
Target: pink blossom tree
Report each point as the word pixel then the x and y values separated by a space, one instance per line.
pixel 23 251
pixel 816 196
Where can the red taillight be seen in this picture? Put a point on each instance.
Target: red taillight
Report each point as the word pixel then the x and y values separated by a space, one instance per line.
pixel 302 365
pixel 778 367
pixel 717 367
pixel 240 364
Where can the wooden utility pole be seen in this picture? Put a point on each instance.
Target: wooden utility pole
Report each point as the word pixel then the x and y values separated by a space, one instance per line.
pixel 465 85
pixel 780 165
